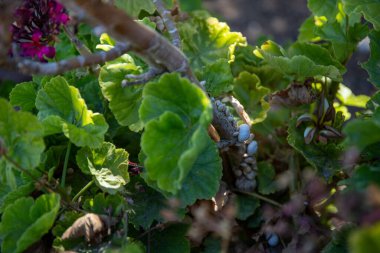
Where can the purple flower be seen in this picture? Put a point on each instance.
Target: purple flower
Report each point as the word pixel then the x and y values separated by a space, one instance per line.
pixel 37 24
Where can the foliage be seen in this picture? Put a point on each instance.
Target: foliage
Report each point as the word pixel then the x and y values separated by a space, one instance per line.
pixel 161 165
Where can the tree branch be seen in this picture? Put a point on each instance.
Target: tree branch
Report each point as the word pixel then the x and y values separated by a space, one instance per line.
pixel 169 24
pixel 53 68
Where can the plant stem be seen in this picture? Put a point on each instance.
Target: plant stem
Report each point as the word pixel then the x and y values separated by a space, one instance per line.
pixel 65 165
pixel 85 188
pixel 256 195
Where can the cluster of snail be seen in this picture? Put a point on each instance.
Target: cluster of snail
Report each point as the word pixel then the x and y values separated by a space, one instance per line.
pixel 246 172
pixel 243 140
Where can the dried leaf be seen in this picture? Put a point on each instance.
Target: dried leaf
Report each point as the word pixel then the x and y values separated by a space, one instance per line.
pixel 294 95
pixel 91 226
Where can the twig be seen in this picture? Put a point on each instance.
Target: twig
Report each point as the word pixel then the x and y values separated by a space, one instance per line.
pixel 169 23
pixel 146 42
pixel 53 68
pixel 263 198
pixel 143 78
pixel 79 46
pixel 239 108
pixel 64 171
pixel 85 188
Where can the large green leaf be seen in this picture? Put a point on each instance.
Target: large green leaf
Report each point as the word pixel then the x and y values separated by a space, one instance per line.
pixel 170 240
pixel 372 65
pixel 26 221
pixel 327 8
pixel 347 97
pixel 325 158
pixel 363 176
pixel 218 77
pixel 21 135
pixel 362 132
pixel 24 95
pixel 317 53
pixel 250 93
pixel 102 204
pixel 365 240
pixel 299 67
pixel 176 114
pixel 61 109
pixel 369 8
pixel 107 164
pixel 246 206
pixel 9 196
pixel 203 180
pixel 206 40
pixel 147 203
pixel 266 178
pixel 134 7
pixel 123 102
pixel 343 39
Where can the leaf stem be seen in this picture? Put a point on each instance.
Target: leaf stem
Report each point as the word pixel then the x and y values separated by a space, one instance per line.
pixel 256 195
pixel 85 188
pixel 64 172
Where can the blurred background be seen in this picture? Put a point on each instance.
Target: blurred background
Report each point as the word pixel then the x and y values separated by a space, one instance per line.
pixel 279 20
pixel 255 18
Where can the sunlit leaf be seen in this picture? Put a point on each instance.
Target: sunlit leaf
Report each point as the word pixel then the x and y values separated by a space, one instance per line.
pixel 61 109
pixel 250 93
pixel 176 114
pixel 107 164
pixel 206 40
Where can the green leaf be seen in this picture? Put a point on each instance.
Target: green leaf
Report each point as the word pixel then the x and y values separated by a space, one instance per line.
pixel 170 240
pixel 202 182
pixel 299 67
pixel 21 135
pixel 24 95
pixel 61 109
pixel 318 54
pixel 363 176
pixel 362 132
pixel 9 196
pixel 107 164
pixel 348 98
pixel 266 178
pixel 204 177
pixel 343 39
pixel 26 221
pixel 123 102
pixel 365 240
pixel 369 8
pixel 372 65
pixel 250 93
pixel 325 158
pixel 147 204
pixel 246 206
pixel 212 245
pixel 218 77
pixel 176 114
pixel 328 8
pixel 206 40
pixel 101 204
pixel 134 7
